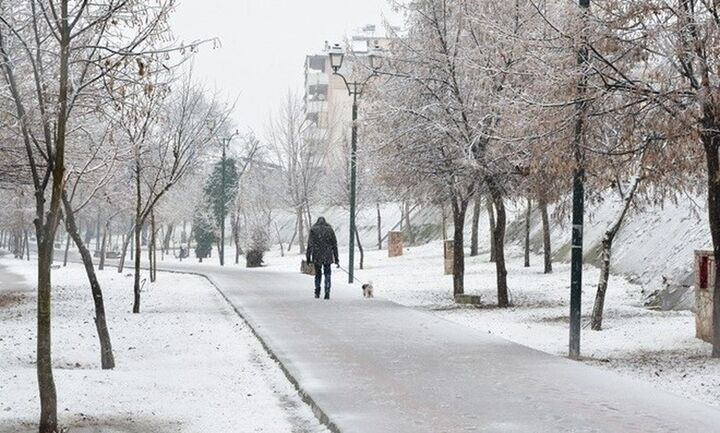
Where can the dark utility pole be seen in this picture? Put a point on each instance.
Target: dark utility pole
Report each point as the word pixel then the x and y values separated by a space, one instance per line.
pixel 353 181
pixel 578 189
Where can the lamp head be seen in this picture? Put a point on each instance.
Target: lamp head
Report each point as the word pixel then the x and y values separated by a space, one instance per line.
pixel 337 55
pixel 375 58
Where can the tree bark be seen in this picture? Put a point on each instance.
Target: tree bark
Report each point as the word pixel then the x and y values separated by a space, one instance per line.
pixel 527 233
pixel 475 226
pixel 597 313
pixel 46 381
pixel 67 249
pixel 547 247
pixel 491 219
pixel 280 242
pixel 107 360
pixel 444 221
pixel 103 247
pixel 379 226
pixel 137 241
pixel 459 207
pixel 97 231
pixel 608 238
pixel 152 248
pixel 292 239
pixel 27 246
pixel 499 241
pixel 301 232
pixel 236 237
pixel 167 238
pixel 126 241
pixel 408 225
pixel 88 233
pixel 711 144
pixel 360 248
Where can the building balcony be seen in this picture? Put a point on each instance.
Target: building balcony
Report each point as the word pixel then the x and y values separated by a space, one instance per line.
pixel 316 106
pixel 316 79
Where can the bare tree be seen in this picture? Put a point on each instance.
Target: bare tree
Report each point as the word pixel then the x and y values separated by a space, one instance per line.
pixel 52 41
pixel 160 159
pixel 299 147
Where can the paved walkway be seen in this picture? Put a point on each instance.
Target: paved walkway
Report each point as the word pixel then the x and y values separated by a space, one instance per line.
pixel 9 281
pixel 372 366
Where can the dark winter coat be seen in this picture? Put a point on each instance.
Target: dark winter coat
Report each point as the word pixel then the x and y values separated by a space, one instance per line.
pixel 322 246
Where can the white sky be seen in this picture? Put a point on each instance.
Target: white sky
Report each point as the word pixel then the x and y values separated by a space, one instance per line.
pixel 264 43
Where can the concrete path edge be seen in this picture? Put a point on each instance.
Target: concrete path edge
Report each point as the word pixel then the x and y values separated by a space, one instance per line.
pixel 318 411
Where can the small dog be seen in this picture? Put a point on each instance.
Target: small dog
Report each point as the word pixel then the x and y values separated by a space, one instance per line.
pixel 368 290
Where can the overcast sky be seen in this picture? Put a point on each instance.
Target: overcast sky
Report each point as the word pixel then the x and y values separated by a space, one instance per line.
pixel 264 43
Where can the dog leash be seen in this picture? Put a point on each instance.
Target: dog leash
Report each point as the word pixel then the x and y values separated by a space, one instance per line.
pixel 348 273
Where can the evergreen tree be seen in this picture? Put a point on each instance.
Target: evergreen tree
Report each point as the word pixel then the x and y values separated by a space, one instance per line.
pixel 220 193
pixel 204 232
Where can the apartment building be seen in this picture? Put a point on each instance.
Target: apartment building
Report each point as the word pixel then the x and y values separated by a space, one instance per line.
pixel 327 102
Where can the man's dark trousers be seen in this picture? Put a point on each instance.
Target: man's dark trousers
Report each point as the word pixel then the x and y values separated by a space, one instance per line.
pixel 319 271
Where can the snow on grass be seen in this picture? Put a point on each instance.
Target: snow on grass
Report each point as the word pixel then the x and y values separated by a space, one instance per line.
pixel 659 347
pixel 187 363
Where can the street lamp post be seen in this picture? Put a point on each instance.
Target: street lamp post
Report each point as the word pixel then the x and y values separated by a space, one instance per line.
pixel 578 208
pixel 355 89
pixel 221 250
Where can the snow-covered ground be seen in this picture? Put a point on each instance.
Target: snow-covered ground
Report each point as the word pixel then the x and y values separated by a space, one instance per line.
pixel 187 363
pixel 659 347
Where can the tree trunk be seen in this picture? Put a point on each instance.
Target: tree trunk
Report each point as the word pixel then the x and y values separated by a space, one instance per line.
pixel 301 233
pixel 408 226
pixel 107 360
pixel 711 143
pixel 46 381
pixel 309 215
pixel 88 233
pixel 292 239
pixel 527 233
pixel 379 226
pixel 136 277
pixel 167 238
pixel 475 224
pixel 137 240
pixel 360 248
pixel 103 247
pixel 499 241
pixel 152 250
pixel 459 207
pixel 126 240
pixel 27 246
pixel 97 231
pixel 444 222
pixel 491 218
pixel 236 237
pixel 16 244
pixel 67 249
pixel 597 314
pixel 277 231
pixel 547 248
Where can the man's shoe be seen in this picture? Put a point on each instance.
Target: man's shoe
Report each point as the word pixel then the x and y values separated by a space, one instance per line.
pixel 327 295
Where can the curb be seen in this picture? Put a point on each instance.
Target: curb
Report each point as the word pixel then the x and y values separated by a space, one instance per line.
pixel 319 413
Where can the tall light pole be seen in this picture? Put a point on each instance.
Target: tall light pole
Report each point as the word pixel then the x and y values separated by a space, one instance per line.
pixel 225 143
pixel 355 89
pixel 576 259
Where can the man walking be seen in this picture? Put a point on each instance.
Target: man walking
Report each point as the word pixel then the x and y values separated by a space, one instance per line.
pixel 322 251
